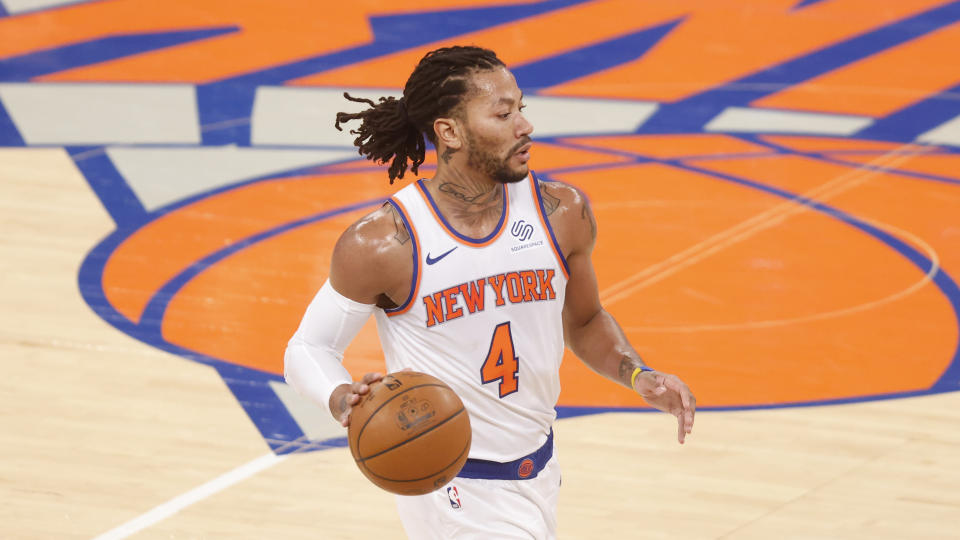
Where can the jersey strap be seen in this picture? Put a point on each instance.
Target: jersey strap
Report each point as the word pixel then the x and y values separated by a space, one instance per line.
pixel 542 212
pixel 415 278
pixel 524 468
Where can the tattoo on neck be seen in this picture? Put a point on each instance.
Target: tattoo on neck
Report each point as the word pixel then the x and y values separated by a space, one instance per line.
pixel 447 154
pixel 550 203
pixel 402 235
pixel 456 192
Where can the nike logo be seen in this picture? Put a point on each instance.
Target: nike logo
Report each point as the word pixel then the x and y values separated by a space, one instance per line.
pixel 434 260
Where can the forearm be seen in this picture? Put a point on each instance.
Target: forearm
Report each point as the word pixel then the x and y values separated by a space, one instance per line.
pixel 312 362
pixel 601 344
pixel 315 374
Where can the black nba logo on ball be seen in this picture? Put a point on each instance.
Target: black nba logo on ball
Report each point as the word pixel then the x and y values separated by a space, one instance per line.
pixel 414 413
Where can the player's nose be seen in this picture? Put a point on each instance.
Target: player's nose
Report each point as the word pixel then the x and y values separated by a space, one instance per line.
pixel 524 127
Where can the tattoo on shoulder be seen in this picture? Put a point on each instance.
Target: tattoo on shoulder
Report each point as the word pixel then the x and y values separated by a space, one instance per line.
pixel 587 214
pixel 550 203
pixel 402 235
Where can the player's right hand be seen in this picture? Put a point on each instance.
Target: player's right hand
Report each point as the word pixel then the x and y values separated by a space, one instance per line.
pixel 671 395
pixel 345 396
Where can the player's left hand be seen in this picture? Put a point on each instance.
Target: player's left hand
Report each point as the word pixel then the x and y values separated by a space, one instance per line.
pixel 671 395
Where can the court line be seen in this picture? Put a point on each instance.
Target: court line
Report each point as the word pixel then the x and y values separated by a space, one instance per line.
pixel 174 505
pixel 750 227
pixel 750 325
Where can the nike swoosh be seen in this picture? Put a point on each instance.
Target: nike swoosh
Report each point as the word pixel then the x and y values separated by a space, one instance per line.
pixel 433 260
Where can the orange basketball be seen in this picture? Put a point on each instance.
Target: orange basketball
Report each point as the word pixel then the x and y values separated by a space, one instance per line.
pixel 411 434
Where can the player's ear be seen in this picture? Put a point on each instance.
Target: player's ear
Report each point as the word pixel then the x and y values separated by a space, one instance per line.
pixel 449 132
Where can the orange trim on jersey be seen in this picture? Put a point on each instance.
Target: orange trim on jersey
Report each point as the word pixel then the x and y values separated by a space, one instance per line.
pixel 461 238
pixel 554 244
pixel 415 279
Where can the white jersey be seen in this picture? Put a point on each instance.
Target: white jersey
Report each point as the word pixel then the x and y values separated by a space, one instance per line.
pixel 484 316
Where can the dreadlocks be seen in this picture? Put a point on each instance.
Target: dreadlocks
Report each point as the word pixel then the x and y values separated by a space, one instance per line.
pixel 394 128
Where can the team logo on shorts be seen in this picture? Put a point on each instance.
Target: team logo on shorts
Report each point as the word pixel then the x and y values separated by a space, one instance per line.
pixel 454 496
pixel 526 468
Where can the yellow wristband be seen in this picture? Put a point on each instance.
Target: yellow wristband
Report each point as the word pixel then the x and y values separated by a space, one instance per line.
pixel 639 370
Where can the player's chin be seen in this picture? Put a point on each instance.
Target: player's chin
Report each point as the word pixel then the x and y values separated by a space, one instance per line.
pixel 518 175
pixel 511 175
pixel 521 169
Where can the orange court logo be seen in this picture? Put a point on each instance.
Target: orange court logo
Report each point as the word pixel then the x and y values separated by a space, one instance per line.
pixel 776 198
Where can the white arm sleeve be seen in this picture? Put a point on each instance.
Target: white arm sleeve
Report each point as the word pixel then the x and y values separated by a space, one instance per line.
pixel 312 362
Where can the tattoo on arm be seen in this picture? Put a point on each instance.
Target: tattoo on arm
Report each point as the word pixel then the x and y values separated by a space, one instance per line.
pixel 402 235
pixel 550 203
pixel 627 365
pixel 447 154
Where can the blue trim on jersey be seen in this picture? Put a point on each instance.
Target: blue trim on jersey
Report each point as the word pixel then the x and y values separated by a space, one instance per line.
pixel 416 259
pixel 448 227
pixel 546 222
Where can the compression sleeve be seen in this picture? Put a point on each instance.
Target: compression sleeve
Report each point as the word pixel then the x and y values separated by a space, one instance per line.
pixel 312 362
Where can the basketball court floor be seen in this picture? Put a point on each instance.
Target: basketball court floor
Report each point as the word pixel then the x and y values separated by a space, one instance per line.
pixel 777 190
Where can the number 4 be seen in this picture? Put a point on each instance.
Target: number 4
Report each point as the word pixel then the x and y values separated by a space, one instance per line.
pixel 502 363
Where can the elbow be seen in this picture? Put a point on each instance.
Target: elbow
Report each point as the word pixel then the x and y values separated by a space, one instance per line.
pixel 573 329
pixel 290 372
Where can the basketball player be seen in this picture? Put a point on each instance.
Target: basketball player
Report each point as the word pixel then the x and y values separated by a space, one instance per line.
pixel 479 276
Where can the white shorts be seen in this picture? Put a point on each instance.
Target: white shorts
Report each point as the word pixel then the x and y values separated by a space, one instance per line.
pixel 479 509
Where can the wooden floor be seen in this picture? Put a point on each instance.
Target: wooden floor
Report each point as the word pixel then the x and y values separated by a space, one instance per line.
pixel 790 254
pixel 101 428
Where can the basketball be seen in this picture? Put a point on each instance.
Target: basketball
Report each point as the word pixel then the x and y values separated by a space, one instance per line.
pixel 410 434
